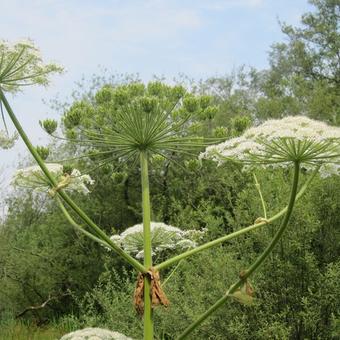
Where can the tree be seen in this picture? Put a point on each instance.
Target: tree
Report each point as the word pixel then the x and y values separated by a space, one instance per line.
pixel 304 74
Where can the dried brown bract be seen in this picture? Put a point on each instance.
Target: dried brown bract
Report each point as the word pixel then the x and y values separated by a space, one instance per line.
pixel 157 295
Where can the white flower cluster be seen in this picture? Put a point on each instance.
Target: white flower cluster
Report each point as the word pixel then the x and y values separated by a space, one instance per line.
pixel 280 141
pixel 6 142
pixel 163 237
pixel 21 65
pixel 33 178
pixel 79 182
pixel 94 334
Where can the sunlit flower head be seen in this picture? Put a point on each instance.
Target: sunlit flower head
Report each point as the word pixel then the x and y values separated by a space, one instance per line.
pixel 21 65
pixel 33 178
pixel 163 237
pixel 283 141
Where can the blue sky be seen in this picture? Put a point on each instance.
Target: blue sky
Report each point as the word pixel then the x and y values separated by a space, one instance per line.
pixel 154 37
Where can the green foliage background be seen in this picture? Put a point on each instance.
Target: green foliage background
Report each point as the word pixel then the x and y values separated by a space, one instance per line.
pixel 297 290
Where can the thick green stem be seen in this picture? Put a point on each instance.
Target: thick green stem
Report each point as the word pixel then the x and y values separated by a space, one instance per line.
pixel 79 227
pixel 148 322
pixel 282 228
pixel 24 137
pixel 99 233
pixel 257 263
pixel 219 240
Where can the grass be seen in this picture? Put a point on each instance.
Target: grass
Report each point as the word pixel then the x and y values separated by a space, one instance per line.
pixel 19 330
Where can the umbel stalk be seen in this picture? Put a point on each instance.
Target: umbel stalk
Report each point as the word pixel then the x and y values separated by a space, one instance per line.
pixel 169 262
pixel 257 263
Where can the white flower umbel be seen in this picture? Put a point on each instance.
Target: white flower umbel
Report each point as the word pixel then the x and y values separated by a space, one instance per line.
pixel 163 237
pixel 33 178
pixel 6 141
pixel 94 334
pixel 21 65
pixel 281 142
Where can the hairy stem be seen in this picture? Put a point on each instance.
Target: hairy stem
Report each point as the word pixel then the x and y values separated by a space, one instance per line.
pixel 99 232
pixel 148 322
pixel 253 268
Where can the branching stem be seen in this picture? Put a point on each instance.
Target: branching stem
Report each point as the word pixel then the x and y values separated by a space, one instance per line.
pixel 53 183
pixel 258 261
pixel 79 227
pixel 228 237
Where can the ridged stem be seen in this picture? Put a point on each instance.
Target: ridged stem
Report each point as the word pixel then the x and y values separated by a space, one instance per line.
pixel 148 322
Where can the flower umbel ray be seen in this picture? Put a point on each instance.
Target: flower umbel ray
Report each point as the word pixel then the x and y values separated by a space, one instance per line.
pixel 283 142
pixel 21 65
pixel 143 125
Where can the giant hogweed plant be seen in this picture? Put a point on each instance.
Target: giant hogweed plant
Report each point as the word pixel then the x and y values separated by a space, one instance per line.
pixel 148 127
